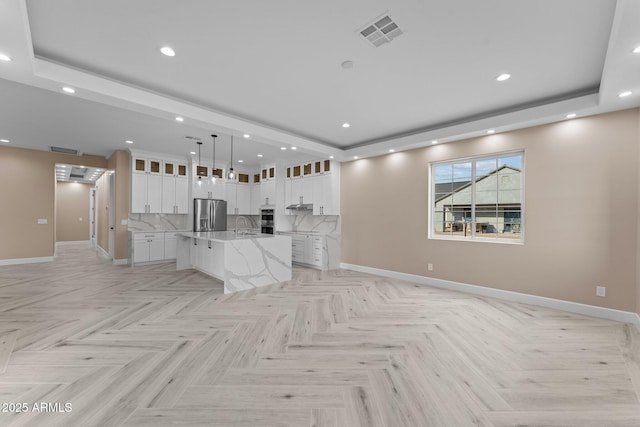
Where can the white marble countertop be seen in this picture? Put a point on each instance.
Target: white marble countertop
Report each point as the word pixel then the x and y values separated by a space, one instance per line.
pixel 161 230
pixel 318 233
pixel 225 236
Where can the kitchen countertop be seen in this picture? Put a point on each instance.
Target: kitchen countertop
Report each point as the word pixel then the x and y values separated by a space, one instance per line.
pixel 159 231
pixel 225 236
pixel 318 233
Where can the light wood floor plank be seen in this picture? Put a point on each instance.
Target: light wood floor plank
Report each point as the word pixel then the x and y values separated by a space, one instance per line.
pixel 151 346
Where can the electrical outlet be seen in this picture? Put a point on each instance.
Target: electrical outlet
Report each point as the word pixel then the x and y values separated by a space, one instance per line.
pixel 430 267
pixel 601 291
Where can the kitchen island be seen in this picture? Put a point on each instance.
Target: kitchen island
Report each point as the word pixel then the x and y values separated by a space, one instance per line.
pixel 241 260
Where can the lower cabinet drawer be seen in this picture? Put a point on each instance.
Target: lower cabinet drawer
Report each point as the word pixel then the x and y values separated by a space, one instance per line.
pixel 316 260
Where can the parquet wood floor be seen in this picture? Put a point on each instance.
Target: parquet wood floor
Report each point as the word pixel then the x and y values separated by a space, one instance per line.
pixel 151 346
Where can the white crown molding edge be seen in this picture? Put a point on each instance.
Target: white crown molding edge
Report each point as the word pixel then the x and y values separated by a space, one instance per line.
pixel 572 307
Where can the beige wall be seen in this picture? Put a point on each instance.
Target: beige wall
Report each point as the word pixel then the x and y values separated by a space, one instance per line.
pixel 102 211
pixel 27 192
pixel 72 211
pixel 638 244
pixel 119 163
pixel 581 213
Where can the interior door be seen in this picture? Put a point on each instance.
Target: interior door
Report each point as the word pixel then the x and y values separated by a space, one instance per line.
pixel 112 215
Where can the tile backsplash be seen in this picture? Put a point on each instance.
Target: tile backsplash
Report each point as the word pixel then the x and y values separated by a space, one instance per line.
pixel 308 222
pixel 150 222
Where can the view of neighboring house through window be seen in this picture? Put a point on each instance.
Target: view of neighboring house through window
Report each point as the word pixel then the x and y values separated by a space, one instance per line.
pixel 479 198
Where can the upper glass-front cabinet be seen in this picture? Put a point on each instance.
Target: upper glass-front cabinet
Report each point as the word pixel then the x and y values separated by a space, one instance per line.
pixel 147 166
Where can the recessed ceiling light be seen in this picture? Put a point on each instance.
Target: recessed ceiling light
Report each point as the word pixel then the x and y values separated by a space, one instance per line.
pixel 128 141
pixel 392 150
pixel 490 131
pixel 240 161
pixel 571 116
pixel 435 141
pixel 636 50
pixel 283 148
pixel 4 140
pixel 193 153
pixel 355 157
pixel 166 50
pixel 503 77
pixel 4 57
pixel 624 94
pixel 294 148
pixel 246 135
pixel 259 155
pixel 331 157
pixel 179 119
pixel 346 125
pixel 69 89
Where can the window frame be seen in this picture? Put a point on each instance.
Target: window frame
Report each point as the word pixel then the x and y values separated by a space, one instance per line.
pixel 473 237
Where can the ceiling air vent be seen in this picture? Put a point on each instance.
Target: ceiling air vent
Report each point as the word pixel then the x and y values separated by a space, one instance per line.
pixel 192 138
pixel 63 150
pixel 380 31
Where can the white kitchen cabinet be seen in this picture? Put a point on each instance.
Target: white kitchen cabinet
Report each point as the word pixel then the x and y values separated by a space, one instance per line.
pixel 243 199
pixel 238 198
pixel 146 186
pixel 325 196
pixel 217 189
pixel 268 192
pixel 255 197
pixel 170 242
pixel 307 189
pixel 308 249
pixel 148 246
pixel 175 195
pixel 175 188
pixel 168 194
pixel 201 189
pixel 298 190
pixel 206 188
pixel 298 249
pixel 231 197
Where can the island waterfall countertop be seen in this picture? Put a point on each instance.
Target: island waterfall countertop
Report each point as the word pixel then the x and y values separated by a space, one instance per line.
pixel 242 260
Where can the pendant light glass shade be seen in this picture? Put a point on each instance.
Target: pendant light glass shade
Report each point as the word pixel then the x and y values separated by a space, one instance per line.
pixel 231 174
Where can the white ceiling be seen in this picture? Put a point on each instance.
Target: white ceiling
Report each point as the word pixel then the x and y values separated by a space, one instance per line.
pixel 273 69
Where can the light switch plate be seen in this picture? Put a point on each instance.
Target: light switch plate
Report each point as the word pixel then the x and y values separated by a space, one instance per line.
pixel 42 220
pixel 124 222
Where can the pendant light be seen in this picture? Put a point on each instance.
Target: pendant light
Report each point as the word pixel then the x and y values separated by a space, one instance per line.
pixel 213 170
pixel 197 171
pixel 231 174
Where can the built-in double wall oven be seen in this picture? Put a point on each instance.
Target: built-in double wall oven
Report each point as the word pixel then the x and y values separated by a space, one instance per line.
pixel 267 224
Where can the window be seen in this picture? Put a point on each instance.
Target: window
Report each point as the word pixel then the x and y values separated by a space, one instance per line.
pixel 478 199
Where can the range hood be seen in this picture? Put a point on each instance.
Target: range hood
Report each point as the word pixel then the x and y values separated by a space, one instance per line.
pixel 301 207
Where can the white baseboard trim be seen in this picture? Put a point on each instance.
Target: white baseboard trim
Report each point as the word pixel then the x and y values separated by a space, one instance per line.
pixel 16 261
pixel 572 307
pixel 77 242
pixel 121 261
pixel 102 252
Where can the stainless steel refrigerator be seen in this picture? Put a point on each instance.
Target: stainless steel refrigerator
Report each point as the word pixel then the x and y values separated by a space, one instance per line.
pixel 209 215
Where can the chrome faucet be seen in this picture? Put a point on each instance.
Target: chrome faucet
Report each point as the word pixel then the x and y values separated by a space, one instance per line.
pixel 245 223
